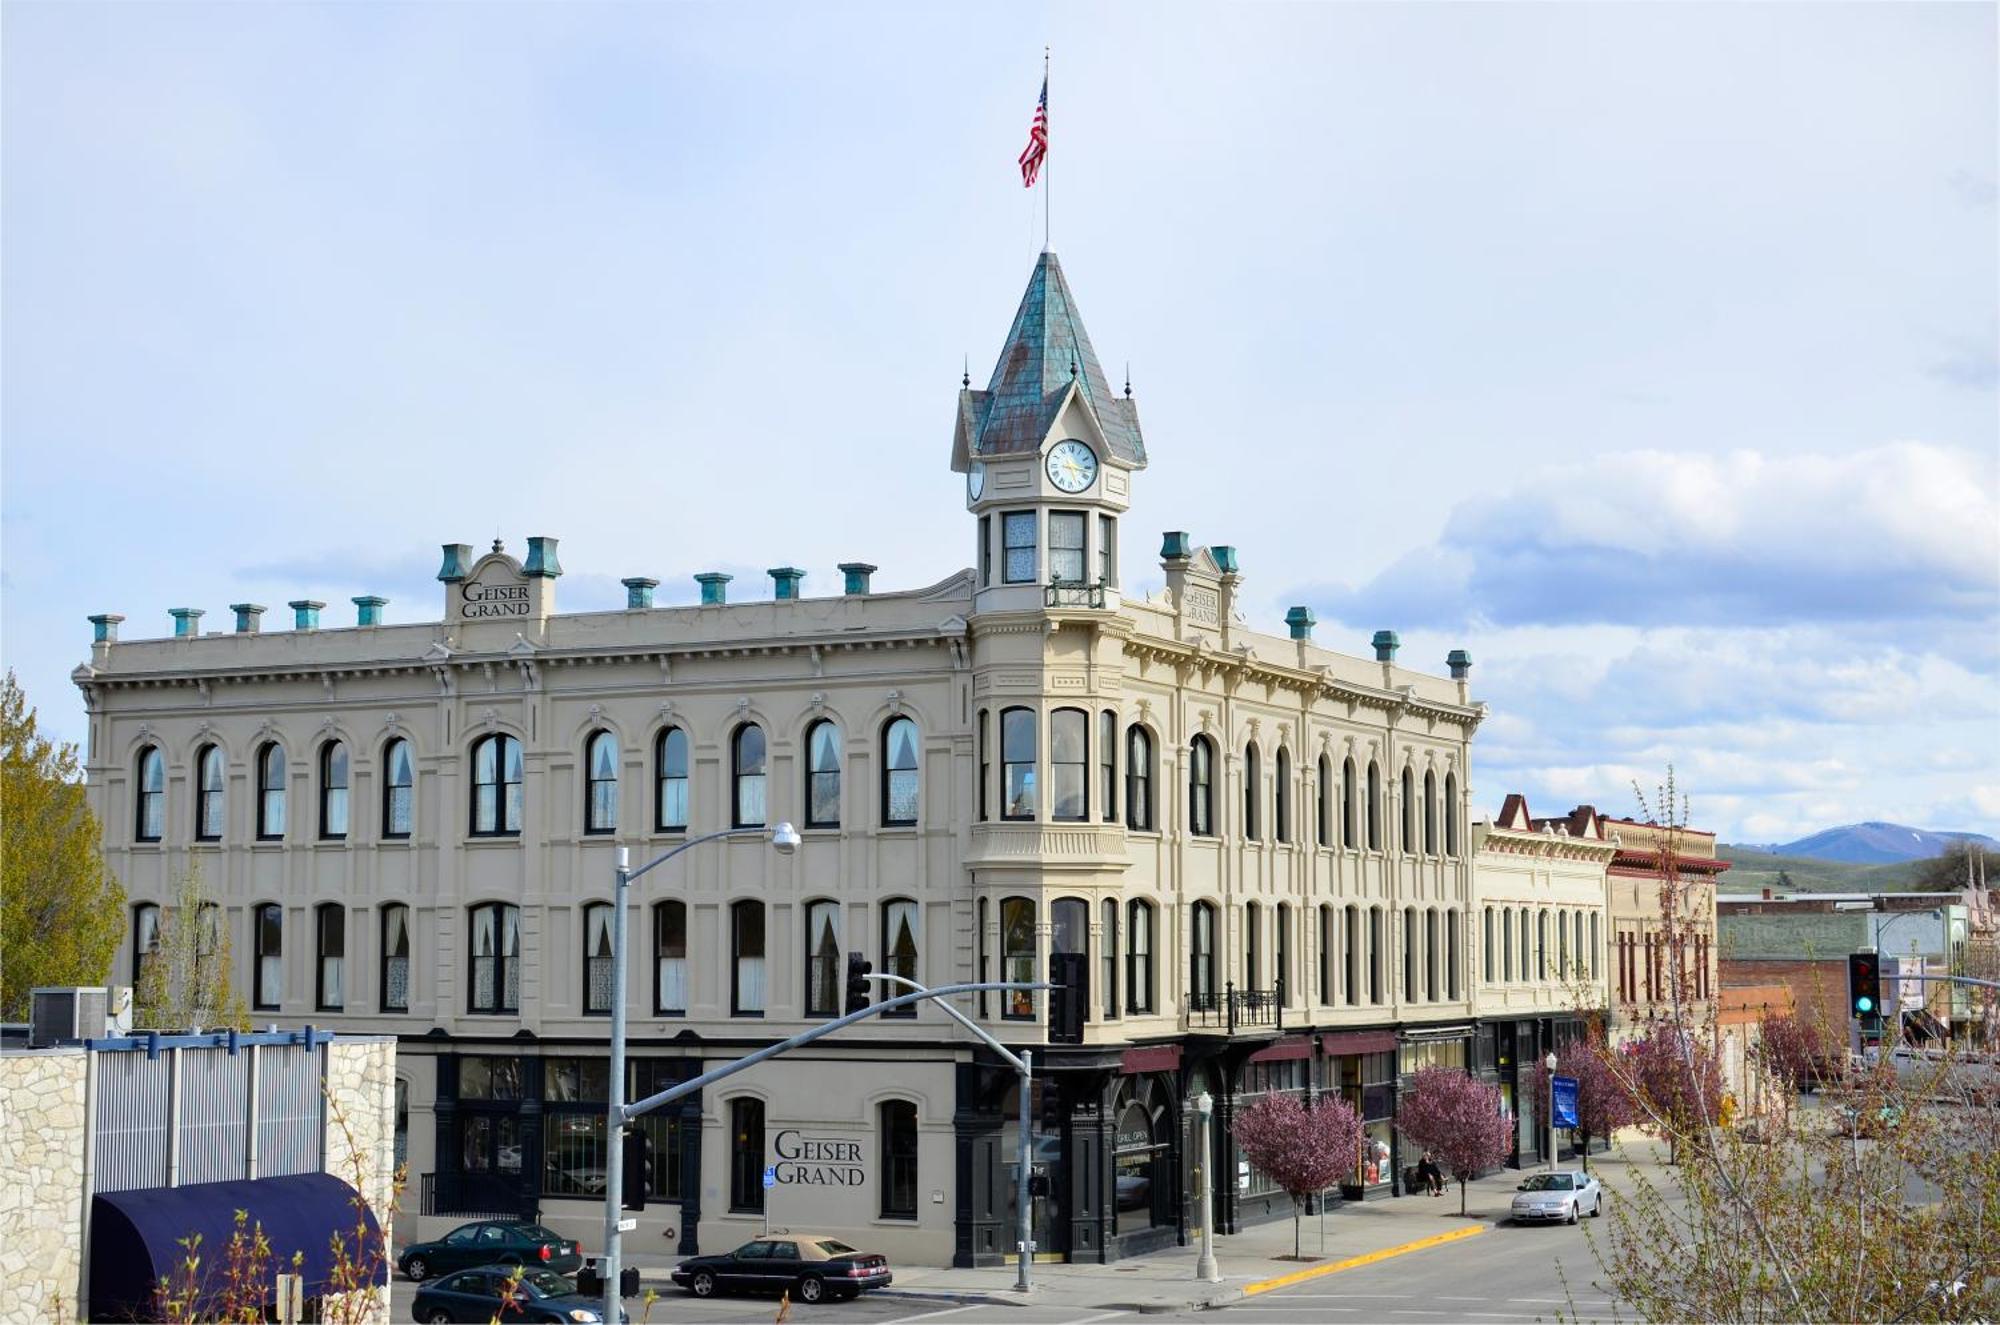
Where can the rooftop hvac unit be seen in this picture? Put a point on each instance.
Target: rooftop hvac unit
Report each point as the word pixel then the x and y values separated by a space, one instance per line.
pixel 56 1015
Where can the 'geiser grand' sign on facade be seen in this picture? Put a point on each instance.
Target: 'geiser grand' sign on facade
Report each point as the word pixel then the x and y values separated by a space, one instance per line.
pixel 817 1161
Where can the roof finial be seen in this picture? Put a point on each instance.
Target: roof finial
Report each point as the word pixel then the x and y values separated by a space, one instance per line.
pixel 966 380
pixel 496 545
pixel 1128 379
pixel 1072 362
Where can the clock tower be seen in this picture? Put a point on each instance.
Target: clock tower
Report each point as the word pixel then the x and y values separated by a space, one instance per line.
pixel 1048 451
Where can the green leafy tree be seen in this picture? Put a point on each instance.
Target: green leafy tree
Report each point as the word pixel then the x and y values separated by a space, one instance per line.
pixel 184 982
pixel 63 911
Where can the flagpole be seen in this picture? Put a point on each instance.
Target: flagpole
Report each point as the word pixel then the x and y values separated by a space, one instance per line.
pixel 1045 160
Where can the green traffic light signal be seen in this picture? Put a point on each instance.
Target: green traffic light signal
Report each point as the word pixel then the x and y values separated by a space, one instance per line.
pixel 1864 1004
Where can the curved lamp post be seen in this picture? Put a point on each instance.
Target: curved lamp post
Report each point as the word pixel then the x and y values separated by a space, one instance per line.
pixel 784 840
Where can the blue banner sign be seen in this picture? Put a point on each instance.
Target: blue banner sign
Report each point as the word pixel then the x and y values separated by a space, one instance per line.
pixel 1564 1091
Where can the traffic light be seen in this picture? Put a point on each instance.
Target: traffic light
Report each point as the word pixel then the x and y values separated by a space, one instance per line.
pixel 1070 974
pixel 1864 986
pixel 857 982
pixel 632 1190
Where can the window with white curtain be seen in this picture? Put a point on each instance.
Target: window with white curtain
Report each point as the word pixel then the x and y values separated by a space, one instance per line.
pixel 746 946
pixel 598 990
pixel 670 944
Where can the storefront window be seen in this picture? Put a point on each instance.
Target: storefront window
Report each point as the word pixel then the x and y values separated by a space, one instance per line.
pixel 1368 1084
pixel 1142 1153
pixel 1290 1075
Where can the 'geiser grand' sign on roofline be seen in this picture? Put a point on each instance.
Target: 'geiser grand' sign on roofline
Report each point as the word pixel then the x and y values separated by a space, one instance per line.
pixel 817 1161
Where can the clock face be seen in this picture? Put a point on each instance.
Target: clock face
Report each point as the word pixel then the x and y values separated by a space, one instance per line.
pixel 975 481
pixel 1071 466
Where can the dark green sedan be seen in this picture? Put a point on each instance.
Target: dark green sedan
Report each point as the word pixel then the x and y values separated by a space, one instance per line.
pixel 491 1242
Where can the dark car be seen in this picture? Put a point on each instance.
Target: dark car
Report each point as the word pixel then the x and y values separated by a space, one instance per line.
pixel 806 1265
pixel 485 1294
pixel 491 1242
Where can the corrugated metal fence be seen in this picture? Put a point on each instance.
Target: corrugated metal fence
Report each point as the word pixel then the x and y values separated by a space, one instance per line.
pixel 200 1114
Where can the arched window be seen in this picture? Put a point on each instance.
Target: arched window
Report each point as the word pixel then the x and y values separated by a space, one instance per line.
pixel 1593 945
pixel 1350 823
pixel 1451 955
pixel 1139 993
pixel 899 773
pixel 1527 946
pixel 600 783
pixel 150 804
pixel 1138 779
pixel 331 926
pixel 1069 933
pixel 747 1155
pixel 1411 839
pixel 399 785
pixel 897 1130
pixel 1410 941
pixel 747 787
pixel 333 791
pixel 1378 955
pixel 670 952
pixel 395 958
pixel 823 975
pixel 271 792
pixel 1281 951
pixel 1107 962
pixel 1451 814
pixel 1069 765
pixel 1107 763
pixel 1562 944
pixel 1351 951
pixel 1542 945
pixel 1433 951
pixel 899 947
pixel 1253 777
pixel 1374 806
pixel 145 945
pixel 1202 984
pixel 208 794
pixel 1576 922
pixel 670 765
pixel 598 987
pixel 496 786
pixel 1281 810
pixel 1328 949
pixel 1486 946
pixel 1017 956
pixel 1017 763
pixel 1201 787
pixel 268 931
pixel 1323 805
pixel 822 775
pixel 1430 813
pixel 1253 927
pixel 1507 943
pixel 496 958
pixel 746 949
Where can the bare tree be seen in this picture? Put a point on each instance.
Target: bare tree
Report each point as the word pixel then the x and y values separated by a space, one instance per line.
pixel 184 981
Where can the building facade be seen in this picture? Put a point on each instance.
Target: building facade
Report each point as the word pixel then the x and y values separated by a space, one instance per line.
pixel 1246 853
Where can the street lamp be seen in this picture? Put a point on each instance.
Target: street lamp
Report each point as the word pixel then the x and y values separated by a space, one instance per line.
pixel 1204 1112
pixel 785 840
pixel 1550 1063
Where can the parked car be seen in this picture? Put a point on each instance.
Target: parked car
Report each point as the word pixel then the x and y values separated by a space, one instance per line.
pixel 491 1242
pixel 1551 1196
pixel 810 1267
pixel 482 1295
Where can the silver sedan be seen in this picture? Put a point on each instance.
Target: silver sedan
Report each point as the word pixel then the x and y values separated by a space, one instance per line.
pixel 1548 1197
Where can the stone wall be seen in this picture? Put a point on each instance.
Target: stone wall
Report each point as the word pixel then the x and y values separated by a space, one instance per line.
pixel 361 1149
pixel 41 1198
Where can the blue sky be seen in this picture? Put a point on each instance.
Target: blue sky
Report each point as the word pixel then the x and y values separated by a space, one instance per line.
pixel 1646 351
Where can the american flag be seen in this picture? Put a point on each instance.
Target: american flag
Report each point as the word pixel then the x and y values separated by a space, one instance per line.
pixel 1038 140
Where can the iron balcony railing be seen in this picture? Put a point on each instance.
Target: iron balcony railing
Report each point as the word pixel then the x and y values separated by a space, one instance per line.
pixel 1075 593
pixel 1234 1008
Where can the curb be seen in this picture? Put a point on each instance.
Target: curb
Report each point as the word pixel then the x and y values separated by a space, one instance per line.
pixel 1367 1258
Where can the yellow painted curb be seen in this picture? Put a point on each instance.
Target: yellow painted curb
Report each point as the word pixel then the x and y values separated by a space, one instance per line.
pixel 1300 1276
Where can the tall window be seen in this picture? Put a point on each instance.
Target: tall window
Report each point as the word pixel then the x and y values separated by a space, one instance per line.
pixel 1433 950
pixel 1507 943
pixel 333 791
pixel 670 762
pixel 746 950
pixel 1107 963
pixel 1410 954
pixel 600 783
pixel 899 946
pixel 1201 959
pixel 1201 787
pixel 1351 951
pixel 271 791
pixel 899 773
pixel 1253 777
pixel 1253 940
pixel 598 987
pixel 496 786
pixel 1593 945
pixel 670 959
pixel 1139 957
pixel 1107 763
pixel 496 958
pixel 1411 838
pixel 268 927
pixel 1066 546
pixel 208 799
pixel 1017 536
pixel 1486 946
pixel 1138 779
pixel 1562 944
pixel 1541 945
pixel 985 550
pixel 1281 796
pixel 823 976
pixel 746 1155
pixel 1323 805
pixel 1069 932
pixel 399 784
pixel 896 1125
pixel 145 940
pixel 1069 765
pixel 150 805
pixel 1328 923
pixel 747 776
pixel 1378 926
pixel 823 775
pixel 1430 813
pixel 395 958
pixel 1451 955
pixel 1350 822
pixel 1281 969
pixel 1017 956
pixel 1107 550
pixel 330 920
pixel 1374 806
pixel 1451 814
pixel 1017 763
pixel 979 913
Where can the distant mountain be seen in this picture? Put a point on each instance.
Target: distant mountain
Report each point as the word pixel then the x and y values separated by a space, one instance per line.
pixel 1873 844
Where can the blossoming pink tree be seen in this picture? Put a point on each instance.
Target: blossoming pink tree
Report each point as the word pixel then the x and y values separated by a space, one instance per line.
pixel 1604 1103
pixel 1303 1150
pixel 1458 1119
pixel 1679 1082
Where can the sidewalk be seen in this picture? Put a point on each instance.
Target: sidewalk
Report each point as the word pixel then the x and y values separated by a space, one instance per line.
pixel 1250 1262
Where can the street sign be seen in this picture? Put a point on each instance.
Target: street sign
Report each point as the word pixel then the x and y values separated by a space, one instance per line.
pixel 628 1226
pixel 770 1178
pixel 1564 1090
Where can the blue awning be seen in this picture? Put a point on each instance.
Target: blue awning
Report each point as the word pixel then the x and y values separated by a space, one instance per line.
pixel 138 1238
